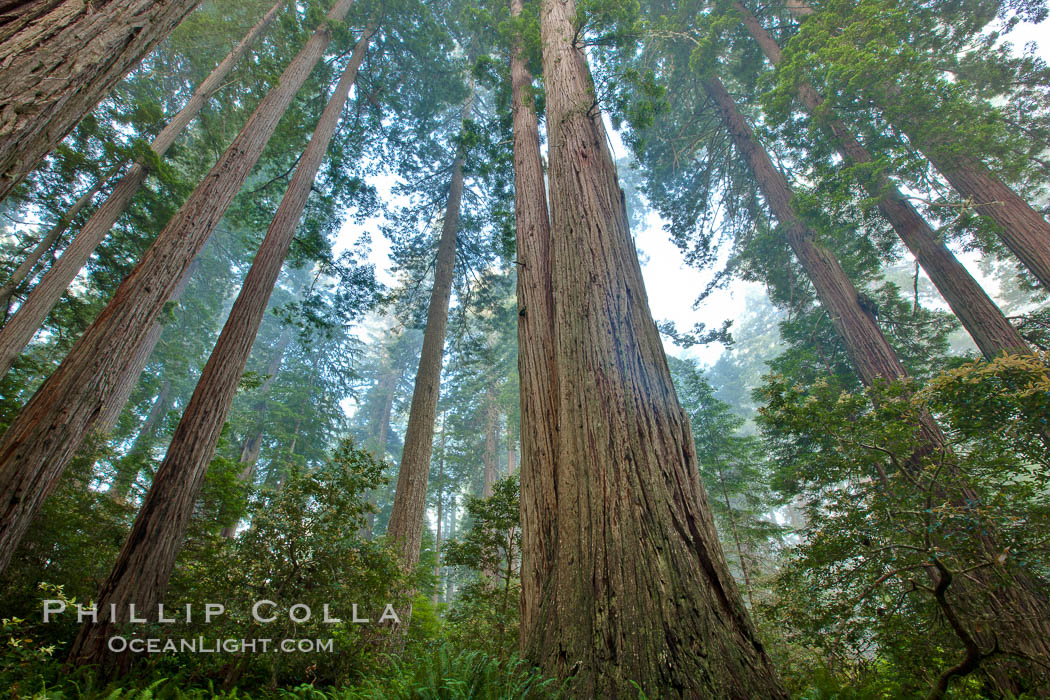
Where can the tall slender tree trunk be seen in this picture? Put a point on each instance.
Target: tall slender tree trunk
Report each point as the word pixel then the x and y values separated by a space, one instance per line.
pixel 638 568
pixel 981 318
pixel 17 333
pixel 129 375
pixel 48 242
pixel 537 378
pixel 1022 611
pixel 252 445
pixel 410 496
pixel 128 466
pixel 59 63
pixel 42 439
pixel 491 455
pixel 143 567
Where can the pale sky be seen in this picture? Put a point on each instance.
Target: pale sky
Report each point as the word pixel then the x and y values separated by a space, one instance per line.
pixel 671 286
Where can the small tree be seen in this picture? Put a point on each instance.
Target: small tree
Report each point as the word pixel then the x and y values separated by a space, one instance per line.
pixel 486 613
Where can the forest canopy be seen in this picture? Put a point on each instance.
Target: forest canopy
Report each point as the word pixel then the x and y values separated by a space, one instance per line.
pixel 528 349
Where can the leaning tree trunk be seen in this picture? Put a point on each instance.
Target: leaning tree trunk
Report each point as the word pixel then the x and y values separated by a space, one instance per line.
pixel 59 63
pixel 48 242
pixel 17 333
pixel 143 567
pixel 130 373
pixel 981 318
pixel 638 568
pixel 538 380
pixel 440 514
pixel 45 435
pixel 1021 609
pixel 405 529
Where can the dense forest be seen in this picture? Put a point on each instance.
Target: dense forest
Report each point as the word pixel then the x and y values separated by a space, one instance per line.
pixel 328 367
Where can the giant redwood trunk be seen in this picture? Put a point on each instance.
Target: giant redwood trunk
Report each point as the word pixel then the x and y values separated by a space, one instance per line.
pixel 59 59
pixel 639 591
pixel 981 318
pixel 143 567
pixel 17 333
pixel 42 439
pixel 1019 607
pixel 405 528
pixel 536 374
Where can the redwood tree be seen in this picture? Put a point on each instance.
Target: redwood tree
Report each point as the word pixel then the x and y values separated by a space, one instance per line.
pixel 143 567
pixel 536 373
pixel 982 319
pixel 44 436
pixel 638 569
pixel 59 60
pixel 17 333
pixel 410 497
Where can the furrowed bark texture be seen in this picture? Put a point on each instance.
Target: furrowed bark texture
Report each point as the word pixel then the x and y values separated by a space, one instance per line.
pixel 57 61
pixel 16 334
pixel 640 590
pixel 132 370
pixel 44 436
pixel 143 567
pixel 1020 608
pixel 405 528
pixel 539 386
pixel 979 315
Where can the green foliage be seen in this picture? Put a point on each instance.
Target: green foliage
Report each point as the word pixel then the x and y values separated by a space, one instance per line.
pixel 883 512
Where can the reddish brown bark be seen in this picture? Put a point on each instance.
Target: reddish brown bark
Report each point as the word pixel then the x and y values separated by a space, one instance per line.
pixel 31 314
pixel 44 436
pixel 535 343
pixel 640 591
pixel 981 318
pixel 57 61
pixel 143 567
pixel 405 529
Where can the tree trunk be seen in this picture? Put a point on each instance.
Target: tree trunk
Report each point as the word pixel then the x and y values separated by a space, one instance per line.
pixel 25 268
pixel 512 461
pixel 128 466
pixel 405 529
pixel 638 568
pixel 141 572
pixel 44 436
pixel 58 64
pixel 1022 612
pixel 129 375
pixel 491 456
pixel 981 318
pixel 538 380
pixel 31 314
